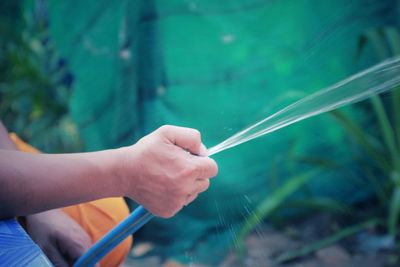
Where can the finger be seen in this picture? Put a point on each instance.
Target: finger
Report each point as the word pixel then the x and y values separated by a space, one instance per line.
pixel 202 185
pixel 186 138
pixel 56 257
pixel 76 251
pixel 74 248
pixel 206 167
pixel 191 198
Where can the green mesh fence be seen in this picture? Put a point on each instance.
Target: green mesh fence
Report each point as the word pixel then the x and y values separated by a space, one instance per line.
pixel 217 66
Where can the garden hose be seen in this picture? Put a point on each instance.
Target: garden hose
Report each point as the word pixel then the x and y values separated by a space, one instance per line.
pixel 139 217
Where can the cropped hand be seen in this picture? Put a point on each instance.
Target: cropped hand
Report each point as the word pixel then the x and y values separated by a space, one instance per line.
pixel 61 238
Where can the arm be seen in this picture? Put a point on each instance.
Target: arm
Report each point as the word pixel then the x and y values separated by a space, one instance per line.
pixel 156 172
pixel 5 142
pixel 33 183
pixel 61 238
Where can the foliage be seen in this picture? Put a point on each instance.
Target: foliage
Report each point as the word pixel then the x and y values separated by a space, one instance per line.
pixel 35 84
pixel 382 147
pixel 280 197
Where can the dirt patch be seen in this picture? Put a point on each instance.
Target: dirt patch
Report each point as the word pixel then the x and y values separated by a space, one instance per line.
pixel 366 248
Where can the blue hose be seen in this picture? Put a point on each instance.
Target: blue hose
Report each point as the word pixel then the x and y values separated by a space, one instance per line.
pixel 139 217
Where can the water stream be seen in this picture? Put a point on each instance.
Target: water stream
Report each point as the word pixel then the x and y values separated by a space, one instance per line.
pixel 377 79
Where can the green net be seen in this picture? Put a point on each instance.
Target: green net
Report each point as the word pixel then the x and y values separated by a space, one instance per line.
pixel 217 66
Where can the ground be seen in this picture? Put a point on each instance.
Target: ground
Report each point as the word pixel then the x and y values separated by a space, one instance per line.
pixel 367 248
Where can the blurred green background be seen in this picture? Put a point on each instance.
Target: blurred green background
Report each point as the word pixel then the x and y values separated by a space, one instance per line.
pixel 90 75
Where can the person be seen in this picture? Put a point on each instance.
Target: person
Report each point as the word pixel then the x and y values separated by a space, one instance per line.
pixel 164 171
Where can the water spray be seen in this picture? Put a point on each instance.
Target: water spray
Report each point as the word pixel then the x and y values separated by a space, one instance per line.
pixel 378 79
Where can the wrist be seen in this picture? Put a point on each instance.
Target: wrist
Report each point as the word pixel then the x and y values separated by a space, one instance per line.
pixel 107 173
pixel 121 163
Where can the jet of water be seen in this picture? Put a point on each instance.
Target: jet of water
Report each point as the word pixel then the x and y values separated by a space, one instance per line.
pixel 378 79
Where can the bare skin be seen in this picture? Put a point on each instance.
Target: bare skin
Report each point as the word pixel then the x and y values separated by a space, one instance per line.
pixel 5 141
pixel 157 172
pixel 61 238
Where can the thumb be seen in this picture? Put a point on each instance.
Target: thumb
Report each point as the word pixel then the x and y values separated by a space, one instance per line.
pixel 186 138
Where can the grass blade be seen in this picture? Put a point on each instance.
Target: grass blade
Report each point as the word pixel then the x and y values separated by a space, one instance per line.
pixel 355 131
pixel 377 39
pixel 376 184
pixel 272 202
pixel 385 127
pixel 394 212
pixel 393 38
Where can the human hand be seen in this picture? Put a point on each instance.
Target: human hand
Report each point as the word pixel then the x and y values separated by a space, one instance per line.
pixel 61 238
pixel 163 173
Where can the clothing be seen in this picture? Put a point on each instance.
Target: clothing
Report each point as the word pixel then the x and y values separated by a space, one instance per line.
pixel 95 217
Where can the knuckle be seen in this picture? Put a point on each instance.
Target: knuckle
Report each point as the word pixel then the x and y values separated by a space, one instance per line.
pixel 196 133
pixel 165 129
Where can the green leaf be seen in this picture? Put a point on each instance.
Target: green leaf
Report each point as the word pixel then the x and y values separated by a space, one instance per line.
pixel 355 131
pixel 394 212
pixel 377 39
pixel 377 184
pixel 393 38
pixel 385 127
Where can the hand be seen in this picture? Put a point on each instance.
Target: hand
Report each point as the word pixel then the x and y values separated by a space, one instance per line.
pixel 60 237
pixel 167 169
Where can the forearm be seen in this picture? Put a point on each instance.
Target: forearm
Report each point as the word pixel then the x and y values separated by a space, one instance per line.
pixel 33 183
pixel 5 141
pixel 157 172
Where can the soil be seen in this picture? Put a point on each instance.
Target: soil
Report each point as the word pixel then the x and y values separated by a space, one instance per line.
pixel 367 248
